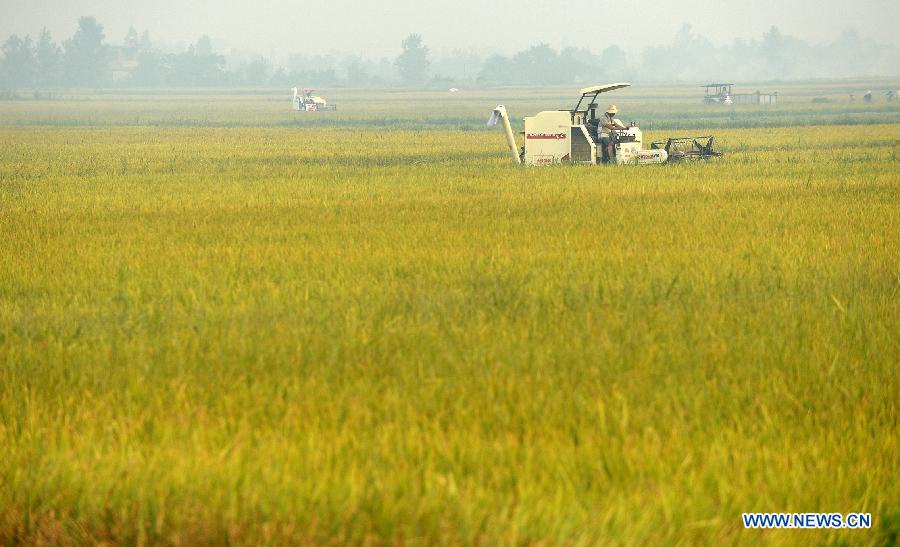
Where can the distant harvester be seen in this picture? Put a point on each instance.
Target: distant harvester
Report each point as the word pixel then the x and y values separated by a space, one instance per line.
pixel 722 94
pixel 305 101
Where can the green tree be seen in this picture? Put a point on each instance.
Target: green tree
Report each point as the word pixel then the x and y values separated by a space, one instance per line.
pixel 86 60
pixel 131 38
pixel 18 61
pixel 613 63
pixel 48 60
pixel 356 72
pixel 197 66
pixel 459 65
pixel 498 69
pixel 151 69
pixel 539 64
pixel 203 47
pixel 256 72
pixel 146 44
pixel 412 63
pixel 779 53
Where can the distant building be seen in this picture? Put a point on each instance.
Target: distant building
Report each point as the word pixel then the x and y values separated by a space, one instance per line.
pixel 123 62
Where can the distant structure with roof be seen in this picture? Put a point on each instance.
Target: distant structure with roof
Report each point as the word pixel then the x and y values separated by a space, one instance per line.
pixel 722 93
pixel 123 62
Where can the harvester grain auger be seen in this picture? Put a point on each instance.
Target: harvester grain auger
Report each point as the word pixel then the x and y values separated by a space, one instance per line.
pixel 575 136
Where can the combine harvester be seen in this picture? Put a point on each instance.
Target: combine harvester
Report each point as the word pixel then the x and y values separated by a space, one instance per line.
pixel 572 136
pixel 305 101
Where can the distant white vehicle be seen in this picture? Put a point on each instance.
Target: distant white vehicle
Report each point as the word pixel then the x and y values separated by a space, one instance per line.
pixel 453 90
pixel 305 101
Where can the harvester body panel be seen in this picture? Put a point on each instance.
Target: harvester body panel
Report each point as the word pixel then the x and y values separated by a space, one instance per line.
pixel 547 137
pixel 630 149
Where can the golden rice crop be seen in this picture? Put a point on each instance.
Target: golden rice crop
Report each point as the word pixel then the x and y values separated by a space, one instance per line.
pixel 272 335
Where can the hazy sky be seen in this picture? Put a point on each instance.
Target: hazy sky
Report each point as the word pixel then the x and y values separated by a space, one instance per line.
pixel 375 29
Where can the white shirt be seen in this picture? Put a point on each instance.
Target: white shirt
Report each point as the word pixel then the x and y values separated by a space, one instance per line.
pixel 604 121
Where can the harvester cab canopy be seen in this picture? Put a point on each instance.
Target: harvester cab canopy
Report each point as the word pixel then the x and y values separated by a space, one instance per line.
pixel 718 90
pixel 591 93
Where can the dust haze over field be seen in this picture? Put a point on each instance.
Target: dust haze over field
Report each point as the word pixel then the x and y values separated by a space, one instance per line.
pixel 702 39
pixel 374 28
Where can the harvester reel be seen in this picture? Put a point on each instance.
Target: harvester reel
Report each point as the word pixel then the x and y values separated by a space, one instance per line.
pixel 688 148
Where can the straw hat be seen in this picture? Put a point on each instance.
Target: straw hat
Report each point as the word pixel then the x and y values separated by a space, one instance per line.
pixel 612 109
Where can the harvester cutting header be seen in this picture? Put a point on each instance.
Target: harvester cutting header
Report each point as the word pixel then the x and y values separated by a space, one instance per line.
pixel 579 135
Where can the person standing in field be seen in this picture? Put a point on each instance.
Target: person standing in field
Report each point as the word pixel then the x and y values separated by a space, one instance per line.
pixel 609 124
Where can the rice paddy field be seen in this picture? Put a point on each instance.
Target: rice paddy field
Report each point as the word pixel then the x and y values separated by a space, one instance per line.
pixel 224 322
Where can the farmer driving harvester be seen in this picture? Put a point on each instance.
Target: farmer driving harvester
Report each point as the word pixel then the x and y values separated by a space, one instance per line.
pixel 609 124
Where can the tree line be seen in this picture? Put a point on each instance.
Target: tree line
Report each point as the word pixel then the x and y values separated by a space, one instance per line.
pixel 88 60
